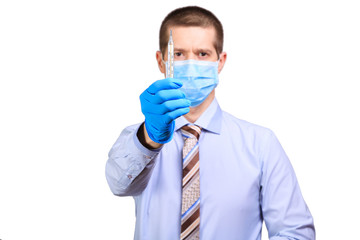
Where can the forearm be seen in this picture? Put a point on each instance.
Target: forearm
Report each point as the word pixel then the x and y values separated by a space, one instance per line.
pixel 130 164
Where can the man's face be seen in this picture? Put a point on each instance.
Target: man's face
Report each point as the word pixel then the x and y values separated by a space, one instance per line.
pixel 193 43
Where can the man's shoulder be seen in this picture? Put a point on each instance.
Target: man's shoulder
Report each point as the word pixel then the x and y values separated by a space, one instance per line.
pixel 244 126
pixel 254 137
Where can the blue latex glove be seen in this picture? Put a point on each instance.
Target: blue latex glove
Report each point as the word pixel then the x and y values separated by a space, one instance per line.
pixel 161 104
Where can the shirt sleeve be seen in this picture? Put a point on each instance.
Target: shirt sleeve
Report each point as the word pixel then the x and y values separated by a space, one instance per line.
pixel 129 166
pixel 284 210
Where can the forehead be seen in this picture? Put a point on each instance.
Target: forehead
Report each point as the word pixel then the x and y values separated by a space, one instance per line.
pixel 193 37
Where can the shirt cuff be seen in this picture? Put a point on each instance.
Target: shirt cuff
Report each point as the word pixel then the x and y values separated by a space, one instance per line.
pixel 149 153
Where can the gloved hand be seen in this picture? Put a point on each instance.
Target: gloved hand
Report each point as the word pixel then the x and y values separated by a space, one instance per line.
pixel 161 104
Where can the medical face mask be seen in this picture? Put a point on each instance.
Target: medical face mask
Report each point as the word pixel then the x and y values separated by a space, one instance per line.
pixel 199 78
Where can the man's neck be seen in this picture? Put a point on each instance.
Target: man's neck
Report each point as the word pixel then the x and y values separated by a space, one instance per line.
pixel 196 112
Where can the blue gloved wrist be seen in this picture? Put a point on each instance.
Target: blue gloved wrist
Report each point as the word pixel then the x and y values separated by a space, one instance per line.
pixel 165 136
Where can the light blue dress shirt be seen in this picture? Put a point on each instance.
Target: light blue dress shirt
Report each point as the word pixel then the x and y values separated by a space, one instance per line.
pixel 245 178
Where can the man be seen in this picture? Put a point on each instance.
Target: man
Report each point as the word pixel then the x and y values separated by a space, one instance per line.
pixel 194 170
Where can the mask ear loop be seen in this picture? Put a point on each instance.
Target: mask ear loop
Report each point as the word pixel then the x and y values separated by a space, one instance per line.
pixel 163 61
pixel 162 57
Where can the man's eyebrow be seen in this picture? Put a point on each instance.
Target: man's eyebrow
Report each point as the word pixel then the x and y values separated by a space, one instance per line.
pixel 207 50
pixel 179 49
pixel 204 50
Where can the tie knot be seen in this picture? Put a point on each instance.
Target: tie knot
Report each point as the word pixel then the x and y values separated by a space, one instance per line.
pixel 191 131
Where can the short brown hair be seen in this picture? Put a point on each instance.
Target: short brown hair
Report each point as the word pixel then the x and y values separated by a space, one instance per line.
pixel 191 16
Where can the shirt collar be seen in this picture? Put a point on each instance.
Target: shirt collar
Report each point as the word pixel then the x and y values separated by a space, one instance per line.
pixel 209 120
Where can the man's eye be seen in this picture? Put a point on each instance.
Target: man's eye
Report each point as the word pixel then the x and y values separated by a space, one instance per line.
pixel 203 54
pixel 178 54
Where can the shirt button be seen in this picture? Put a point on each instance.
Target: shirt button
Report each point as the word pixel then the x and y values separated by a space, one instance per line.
pixel 147 157
pixel 129 176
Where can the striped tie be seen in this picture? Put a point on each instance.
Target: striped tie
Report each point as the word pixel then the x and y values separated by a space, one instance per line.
pixel 190 209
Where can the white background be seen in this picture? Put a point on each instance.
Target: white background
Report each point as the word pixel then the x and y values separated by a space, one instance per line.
pixel 71 73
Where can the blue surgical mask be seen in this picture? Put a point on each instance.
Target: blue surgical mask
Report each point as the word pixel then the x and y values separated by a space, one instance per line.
pixel 199 78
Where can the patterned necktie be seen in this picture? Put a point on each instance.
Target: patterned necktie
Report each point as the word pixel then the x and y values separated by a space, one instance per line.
pixel 190 209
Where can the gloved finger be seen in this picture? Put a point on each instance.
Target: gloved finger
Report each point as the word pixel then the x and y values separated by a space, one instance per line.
pixel 161 109
pixel 170 106
pixel 148 107
pixel 167 106
pixel 171 116
pixel 167 83
pixel 167 95
pixel 146 99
